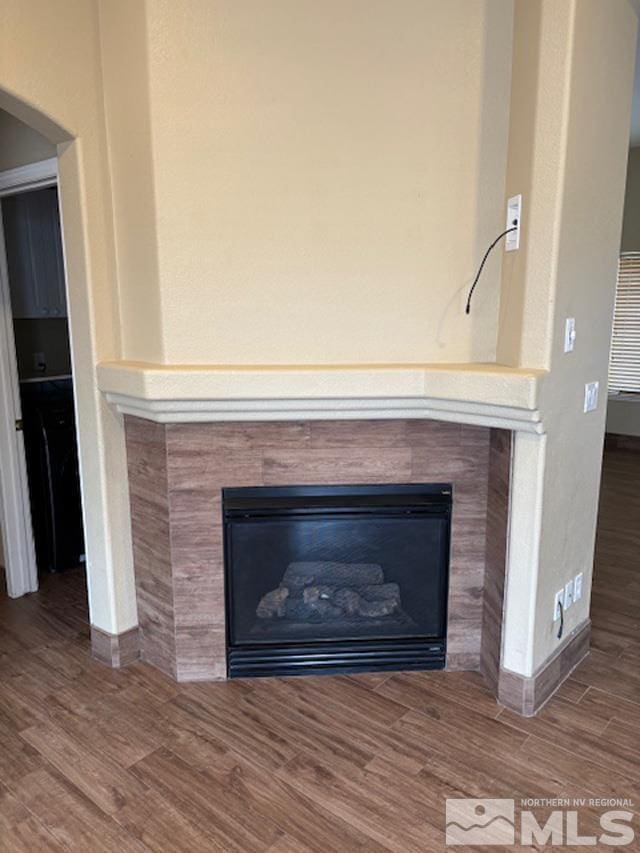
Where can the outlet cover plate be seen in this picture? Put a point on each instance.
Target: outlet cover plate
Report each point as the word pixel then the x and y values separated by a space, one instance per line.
pixel 568 594
pixel 577 587
pixel 558 600
pixel 591 396
pixel 514 212
pixel 569 334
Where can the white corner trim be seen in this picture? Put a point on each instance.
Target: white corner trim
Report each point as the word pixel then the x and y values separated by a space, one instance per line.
pixel 203 411
pixel 30 177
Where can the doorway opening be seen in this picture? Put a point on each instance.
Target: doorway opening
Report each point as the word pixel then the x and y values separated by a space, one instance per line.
pixel 623 410
pixel 615 594
pixel 41 498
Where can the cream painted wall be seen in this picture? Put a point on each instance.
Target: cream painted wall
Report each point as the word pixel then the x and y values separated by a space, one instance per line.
pixel 50 78
pixel 123 34
pixel 326 177
pixel 20 145
pixel 573 188
pixel 541 54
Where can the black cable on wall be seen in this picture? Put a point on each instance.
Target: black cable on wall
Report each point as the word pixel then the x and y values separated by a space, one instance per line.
pixel 514 227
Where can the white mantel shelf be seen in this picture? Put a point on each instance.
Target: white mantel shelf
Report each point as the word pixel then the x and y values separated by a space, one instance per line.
pixel 484 394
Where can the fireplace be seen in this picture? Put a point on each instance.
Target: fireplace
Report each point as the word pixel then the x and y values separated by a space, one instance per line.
pixel 177 474
pixel 336 578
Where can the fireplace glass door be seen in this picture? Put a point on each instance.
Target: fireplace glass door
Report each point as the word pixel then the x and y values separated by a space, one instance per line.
pixel 336 578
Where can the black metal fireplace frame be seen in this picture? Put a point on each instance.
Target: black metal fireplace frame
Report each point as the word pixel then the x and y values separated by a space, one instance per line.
pixel 328 656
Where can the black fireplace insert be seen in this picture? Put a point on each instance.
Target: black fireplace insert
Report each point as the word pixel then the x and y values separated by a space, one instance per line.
pixel 328 579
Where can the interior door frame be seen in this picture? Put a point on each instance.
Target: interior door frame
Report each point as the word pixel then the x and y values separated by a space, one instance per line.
pixel 15 509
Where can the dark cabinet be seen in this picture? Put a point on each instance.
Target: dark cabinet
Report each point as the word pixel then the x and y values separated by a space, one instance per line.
pixel 34 254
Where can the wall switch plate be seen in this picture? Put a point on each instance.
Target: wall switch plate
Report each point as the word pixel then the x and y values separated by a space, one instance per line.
pixel 591 396
pixel 577 587
pixel 514 216
pixel 568 594
pixel 569 334
pixel 559 600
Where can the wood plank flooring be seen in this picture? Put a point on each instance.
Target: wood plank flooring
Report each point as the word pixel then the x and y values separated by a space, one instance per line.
pixel 94 759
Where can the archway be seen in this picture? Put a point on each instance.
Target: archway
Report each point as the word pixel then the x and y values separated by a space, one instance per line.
pixel 76 127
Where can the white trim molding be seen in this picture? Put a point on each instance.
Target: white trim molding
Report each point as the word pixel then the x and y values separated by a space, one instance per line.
pixel 15 510
pixel 33 176
pixel 486 395
pixel 203 411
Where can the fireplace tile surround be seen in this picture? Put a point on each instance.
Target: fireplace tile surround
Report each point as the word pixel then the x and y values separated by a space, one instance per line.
pixel 177 472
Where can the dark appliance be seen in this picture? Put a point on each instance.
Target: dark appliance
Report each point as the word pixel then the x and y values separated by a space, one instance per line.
pixel 54 481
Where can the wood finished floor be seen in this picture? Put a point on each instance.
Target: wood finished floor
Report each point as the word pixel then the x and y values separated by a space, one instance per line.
pixel 93 759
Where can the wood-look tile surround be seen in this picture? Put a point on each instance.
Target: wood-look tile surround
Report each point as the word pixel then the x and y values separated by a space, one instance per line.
pixel 177 471
pixel 496 554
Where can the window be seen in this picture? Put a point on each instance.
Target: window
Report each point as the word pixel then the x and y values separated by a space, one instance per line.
pixel 624 368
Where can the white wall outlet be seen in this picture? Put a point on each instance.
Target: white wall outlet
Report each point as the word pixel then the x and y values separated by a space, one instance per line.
pixel 568 594
pixel 577 587
pixel 569 334
pixel 591 396
pixel 514 217
pixel 559 600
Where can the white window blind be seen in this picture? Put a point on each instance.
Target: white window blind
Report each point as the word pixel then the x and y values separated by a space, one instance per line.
pixel 624 368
